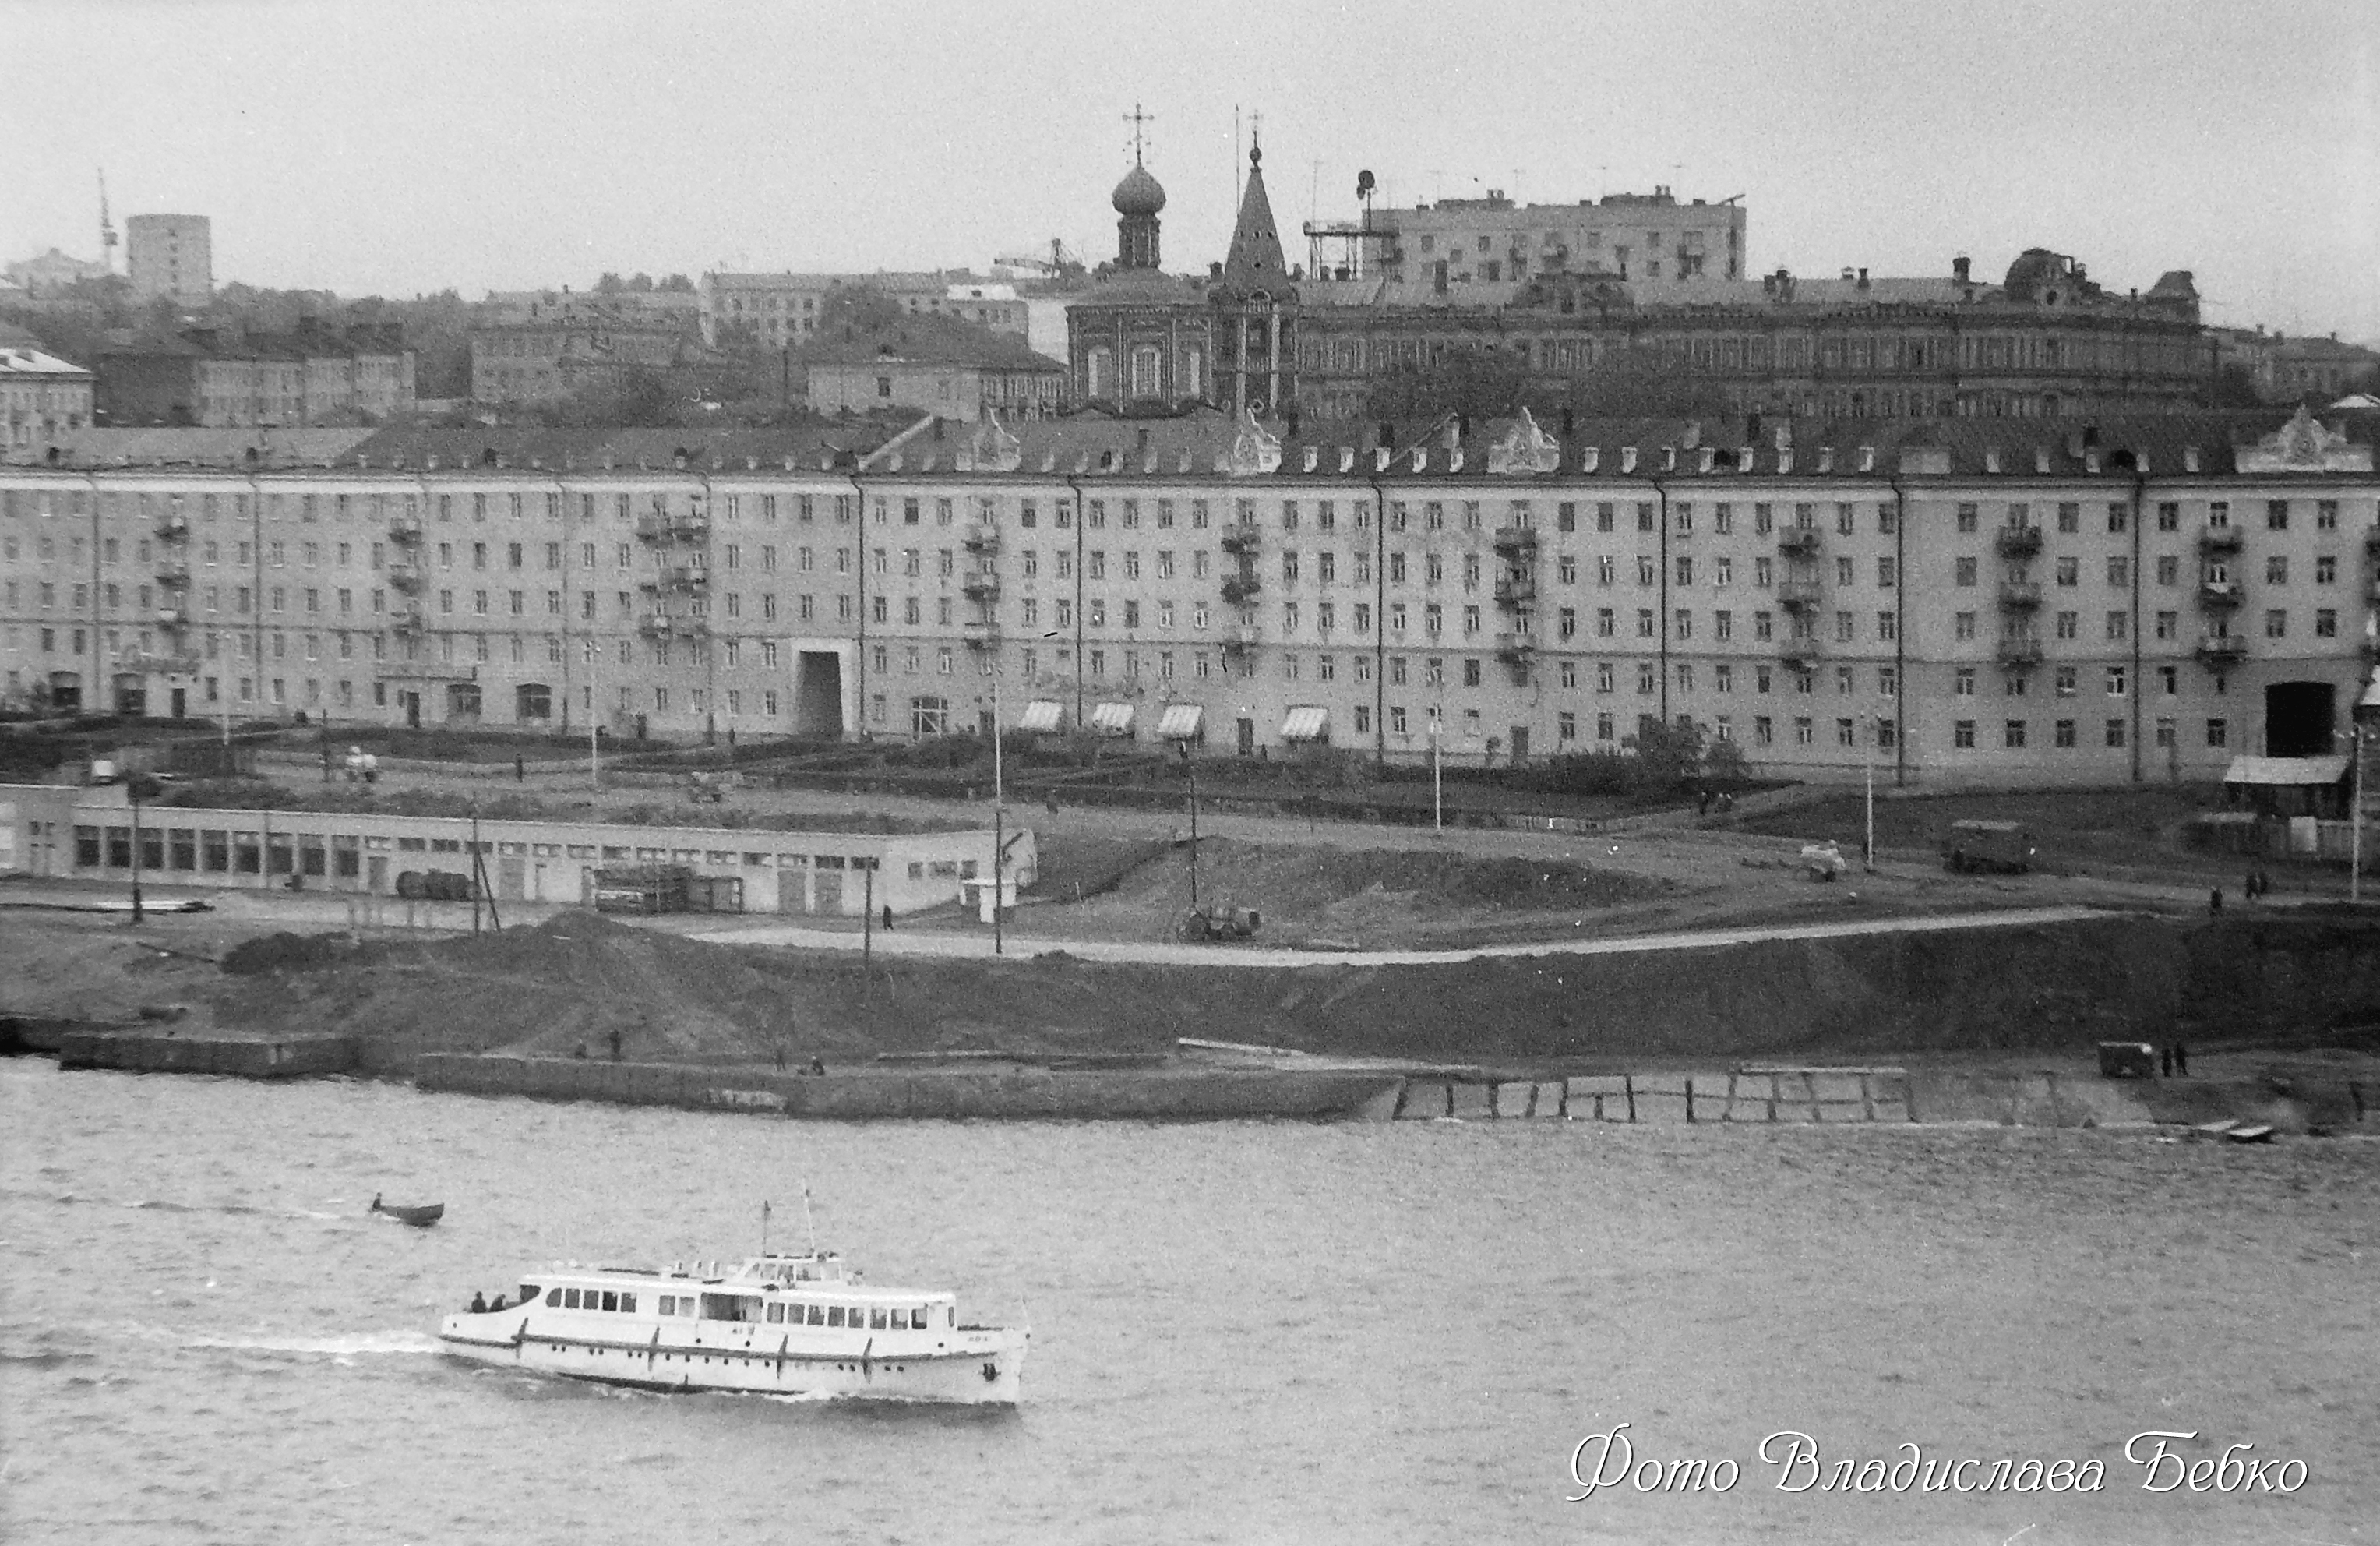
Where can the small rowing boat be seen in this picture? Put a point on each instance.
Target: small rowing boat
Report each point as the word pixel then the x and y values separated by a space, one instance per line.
pixel 2260 1132
pixel 420 1216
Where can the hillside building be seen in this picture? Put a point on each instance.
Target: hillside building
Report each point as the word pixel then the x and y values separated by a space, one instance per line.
pixel 43 399
pixel 212 377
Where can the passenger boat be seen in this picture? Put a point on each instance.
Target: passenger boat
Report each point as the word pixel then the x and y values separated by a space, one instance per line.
pixel 773 1324
pixel 422 1216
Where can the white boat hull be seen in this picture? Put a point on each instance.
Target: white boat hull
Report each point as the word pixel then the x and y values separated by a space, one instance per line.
pixel 962 1366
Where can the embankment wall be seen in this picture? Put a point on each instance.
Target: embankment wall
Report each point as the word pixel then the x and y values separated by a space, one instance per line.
pixel 165 1052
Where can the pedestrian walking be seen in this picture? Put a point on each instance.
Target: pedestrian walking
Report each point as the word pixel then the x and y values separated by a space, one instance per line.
pixel 2182 1060
pixel 2165 1062
pixel 2215 903
pixel 520 770
pixel 888 917
pixel 1703 809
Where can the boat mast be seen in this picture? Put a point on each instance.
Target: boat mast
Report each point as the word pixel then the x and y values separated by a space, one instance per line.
pixel 764 1226
pixel 810 1226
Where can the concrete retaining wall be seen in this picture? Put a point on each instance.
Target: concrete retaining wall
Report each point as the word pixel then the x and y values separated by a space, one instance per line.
pixel 165 1052
pixel 1166 1095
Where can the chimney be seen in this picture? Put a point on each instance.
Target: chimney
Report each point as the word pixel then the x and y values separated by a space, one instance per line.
pixel 1958 268
pixel 1863 279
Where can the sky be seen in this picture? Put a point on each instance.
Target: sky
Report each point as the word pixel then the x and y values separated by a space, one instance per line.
pixel 397 149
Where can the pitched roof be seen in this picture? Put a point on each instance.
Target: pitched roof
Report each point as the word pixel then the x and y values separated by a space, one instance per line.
pixel 1255 261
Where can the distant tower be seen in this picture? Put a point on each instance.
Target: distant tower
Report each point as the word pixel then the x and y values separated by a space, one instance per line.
pixel 107 227
pixel 1137 199
pixel 171 255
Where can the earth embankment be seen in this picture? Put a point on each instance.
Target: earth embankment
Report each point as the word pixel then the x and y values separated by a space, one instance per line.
pixel 572 984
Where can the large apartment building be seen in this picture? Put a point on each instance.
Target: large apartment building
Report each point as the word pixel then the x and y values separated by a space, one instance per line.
pixel 1494 241
pixel 1945 600
pixel 771 311
pixel 172 256
pixel 219 378
pixel 41 398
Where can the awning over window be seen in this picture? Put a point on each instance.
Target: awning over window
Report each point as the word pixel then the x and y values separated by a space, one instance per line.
pixel 1306 724
pixel 1113 718
pixel 1180 721
pixel 2288 771
pixel 1041 715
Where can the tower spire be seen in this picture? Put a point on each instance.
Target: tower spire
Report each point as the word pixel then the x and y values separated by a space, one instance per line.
pixel 1137 118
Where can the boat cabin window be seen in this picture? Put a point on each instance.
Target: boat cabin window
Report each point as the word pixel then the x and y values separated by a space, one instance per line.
pixel 528 1292
pixel 817 1315
pixel 731 1306
pixel 570 1299
pixel 553 1295
pixel 875 1320
pixel 834 1315
pixel 776 1314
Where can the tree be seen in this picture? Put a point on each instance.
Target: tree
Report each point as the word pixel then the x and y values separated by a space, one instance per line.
pixel 1634 385
pixel 1669 752
pixel 640 283
pixel 1484 383
pixel 2234 386
pixel 678 284
pixel 609 285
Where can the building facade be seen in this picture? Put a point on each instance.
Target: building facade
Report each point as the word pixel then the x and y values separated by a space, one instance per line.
pixel 1945 600
pixel 1494 241
pixel 216 379
pixel 546 361
pixel 171 255
pixel 51 272
pixel 42 398
pixel 2044 342
pixel 771 311
pixel 1012 383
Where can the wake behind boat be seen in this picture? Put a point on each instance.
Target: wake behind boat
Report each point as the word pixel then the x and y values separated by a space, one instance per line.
pixel 773 1324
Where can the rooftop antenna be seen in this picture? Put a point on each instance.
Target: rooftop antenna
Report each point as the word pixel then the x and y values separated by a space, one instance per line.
pixel 1314 192
pixel 107 227
pixel 1237 191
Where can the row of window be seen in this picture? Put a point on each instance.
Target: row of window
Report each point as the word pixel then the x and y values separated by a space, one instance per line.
pixel 213 851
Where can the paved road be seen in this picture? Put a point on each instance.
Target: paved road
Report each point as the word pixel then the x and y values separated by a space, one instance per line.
pixel 976 946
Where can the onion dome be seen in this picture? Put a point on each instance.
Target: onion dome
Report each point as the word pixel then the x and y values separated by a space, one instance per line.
pixel 1139 193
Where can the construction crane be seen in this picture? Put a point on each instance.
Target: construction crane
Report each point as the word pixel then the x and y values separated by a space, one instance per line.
pixel 107 227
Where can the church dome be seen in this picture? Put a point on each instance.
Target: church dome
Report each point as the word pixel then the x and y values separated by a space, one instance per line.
pixel 1139 193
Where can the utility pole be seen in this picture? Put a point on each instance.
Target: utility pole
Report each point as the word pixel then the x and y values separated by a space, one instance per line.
pixel 868 917
pixel 1190 766
pixel 999 814
pixel 1437 788
pixel 1867 852
pixel 476 871
pixel 132 790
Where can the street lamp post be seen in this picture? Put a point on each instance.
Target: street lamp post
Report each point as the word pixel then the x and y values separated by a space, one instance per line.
pixel 132 790
pixel 999 814
pixel 1190 767
pixel 1868 853
pixel 2366 714
pixel 1437 788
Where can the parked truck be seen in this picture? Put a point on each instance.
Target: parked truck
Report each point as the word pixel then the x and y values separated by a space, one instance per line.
pixel 1996 848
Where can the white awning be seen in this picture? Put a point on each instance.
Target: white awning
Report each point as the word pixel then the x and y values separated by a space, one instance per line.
pixel 2287 772
pixel 1113 718
pixel 1306 724
pixel 1179 722
pixel 1041 715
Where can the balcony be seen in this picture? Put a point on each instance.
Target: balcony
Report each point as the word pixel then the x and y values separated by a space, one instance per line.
pixel 2020 652
pixel 172 617
pixel 2017 542
pixel 2220 539
pixel 2020 595
pixel 406 578
pixel 677 576
pixel 162 663
pixel 1798 541
pixel 657 627
pixel 983 541
pixel 1519 591
pixel 1516 542
pixel 1515 649
pixel 981 635
pixel 173 575
pixel 684 526
pixel 2218 595
pixel 407 621
pixel 173 528
pixel 983 589
pixel 1799 651
pixel 1800 593
pixel 1240 589
pixel 404 531
pixel 2222 649
pixel 1240 539
pixel 1242 636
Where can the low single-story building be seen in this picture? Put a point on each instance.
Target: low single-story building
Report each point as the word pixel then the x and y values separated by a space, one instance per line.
pixel 87 833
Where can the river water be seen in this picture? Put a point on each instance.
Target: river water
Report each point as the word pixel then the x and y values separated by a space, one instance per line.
pixel 1243 1333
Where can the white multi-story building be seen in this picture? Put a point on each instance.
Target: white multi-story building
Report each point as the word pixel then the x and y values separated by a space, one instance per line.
pixel 42 398
pixel 1983 601
pixel 171 255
